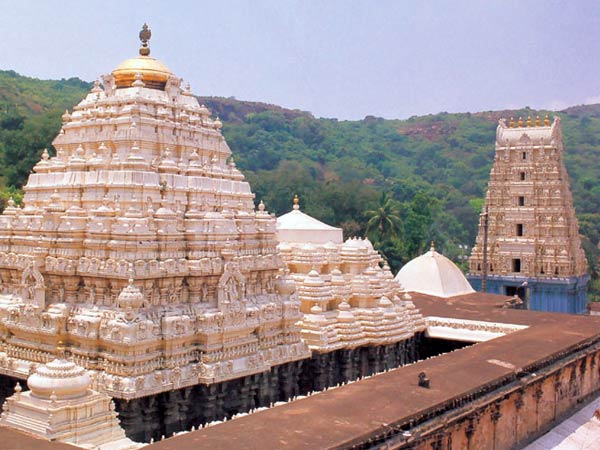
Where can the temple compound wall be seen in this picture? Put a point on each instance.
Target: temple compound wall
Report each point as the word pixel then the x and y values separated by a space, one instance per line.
pixel 528 229
pixel 510 416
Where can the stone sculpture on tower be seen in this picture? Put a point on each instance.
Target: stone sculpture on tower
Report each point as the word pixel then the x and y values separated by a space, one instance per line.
pixel 528 243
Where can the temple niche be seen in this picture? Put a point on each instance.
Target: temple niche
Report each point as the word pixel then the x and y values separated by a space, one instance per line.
pixel 139 246
pixel 533 247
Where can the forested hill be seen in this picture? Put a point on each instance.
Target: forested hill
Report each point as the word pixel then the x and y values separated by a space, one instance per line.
pixel 30 117
pixel 433 169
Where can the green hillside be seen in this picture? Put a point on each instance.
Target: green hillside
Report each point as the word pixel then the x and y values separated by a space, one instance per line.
pixel 30 111
pixel 403 182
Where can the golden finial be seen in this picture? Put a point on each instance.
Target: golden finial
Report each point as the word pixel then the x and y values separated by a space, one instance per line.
pixel 511 124
pixel 520 122
pixel 537 121
pixel 432 249
pixel 528 121
pixel 296 202
pixel 145 36
pixel 546 121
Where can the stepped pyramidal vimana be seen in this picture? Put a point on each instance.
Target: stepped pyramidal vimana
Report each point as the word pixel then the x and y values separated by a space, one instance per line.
pixel 528 242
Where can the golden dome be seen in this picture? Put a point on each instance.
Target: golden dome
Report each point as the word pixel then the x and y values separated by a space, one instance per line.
pixel 153 73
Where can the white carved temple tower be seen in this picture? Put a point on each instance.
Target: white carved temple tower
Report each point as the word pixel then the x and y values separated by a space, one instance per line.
pixel 139 247
pixel 355 315
pixel 533 244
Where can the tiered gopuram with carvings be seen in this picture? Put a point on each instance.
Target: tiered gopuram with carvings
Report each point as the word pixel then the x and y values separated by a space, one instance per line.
pixel 528 225
pixel 357 319
pixel 139 247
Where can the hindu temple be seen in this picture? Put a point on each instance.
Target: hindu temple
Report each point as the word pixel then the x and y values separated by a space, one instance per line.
pixel 139 247
pixel 528 243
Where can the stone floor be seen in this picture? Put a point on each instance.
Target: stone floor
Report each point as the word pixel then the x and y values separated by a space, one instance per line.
pixel 581 431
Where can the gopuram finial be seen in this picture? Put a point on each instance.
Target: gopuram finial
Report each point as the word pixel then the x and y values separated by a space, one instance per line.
pixel 145 36
pixel 546 121
pixel 432 249
pixel 296 202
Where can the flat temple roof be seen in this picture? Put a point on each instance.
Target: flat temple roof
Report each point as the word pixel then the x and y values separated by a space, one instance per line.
pixel 354 412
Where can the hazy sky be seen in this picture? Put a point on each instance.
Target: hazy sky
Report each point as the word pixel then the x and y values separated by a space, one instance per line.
pixel 343 59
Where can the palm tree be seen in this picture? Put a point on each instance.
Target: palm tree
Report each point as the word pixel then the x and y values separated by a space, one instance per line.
pixel 384 222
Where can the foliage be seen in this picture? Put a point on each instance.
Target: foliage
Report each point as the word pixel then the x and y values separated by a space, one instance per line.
pixel 431 170
pixel 30 115
pixel 384 222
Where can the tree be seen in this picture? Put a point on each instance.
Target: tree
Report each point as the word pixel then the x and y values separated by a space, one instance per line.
pixel 384 221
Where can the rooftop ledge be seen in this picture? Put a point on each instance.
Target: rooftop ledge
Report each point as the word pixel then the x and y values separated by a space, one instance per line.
pixel 467 330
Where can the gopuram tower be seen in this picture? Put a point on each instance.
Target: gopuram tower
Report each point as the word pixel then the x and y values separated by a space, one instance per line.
pixel 139 247
pixel 528 242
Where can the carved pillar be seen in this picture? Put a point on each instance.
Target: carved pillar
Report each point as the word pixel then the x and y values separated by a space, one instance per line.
pixel 264 394
pixel 319 365
pixel 346 363
pixel 171 405
pixel 220 400
pixel 209 394
pixel 286 389
pixel 131 419
pixel 150 427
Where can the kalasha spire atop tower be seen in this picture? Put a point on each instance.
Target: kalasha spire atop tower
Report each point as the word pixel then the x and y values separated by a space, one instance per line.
pixel 140 248
pixel 145 35
pixel 533 244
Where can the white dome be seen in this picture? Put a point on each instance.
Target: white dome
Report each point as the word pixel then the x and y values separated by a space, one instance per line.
pixel 61 378
pixel 433 274
pixel 296 226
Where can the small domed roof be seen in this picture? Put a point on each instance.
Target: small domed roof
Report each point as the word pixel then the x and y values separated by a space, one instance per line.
pixel 297 226
pixel 61 378
pixel 433 274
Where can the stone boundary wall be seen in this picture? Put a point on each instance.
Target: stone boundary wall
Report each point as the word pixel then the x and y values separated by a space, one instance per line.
pixel 509 416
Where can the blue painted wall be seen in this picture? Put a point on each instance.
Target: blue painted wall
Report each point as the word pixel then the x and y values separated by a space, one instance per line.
pixel 568 295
